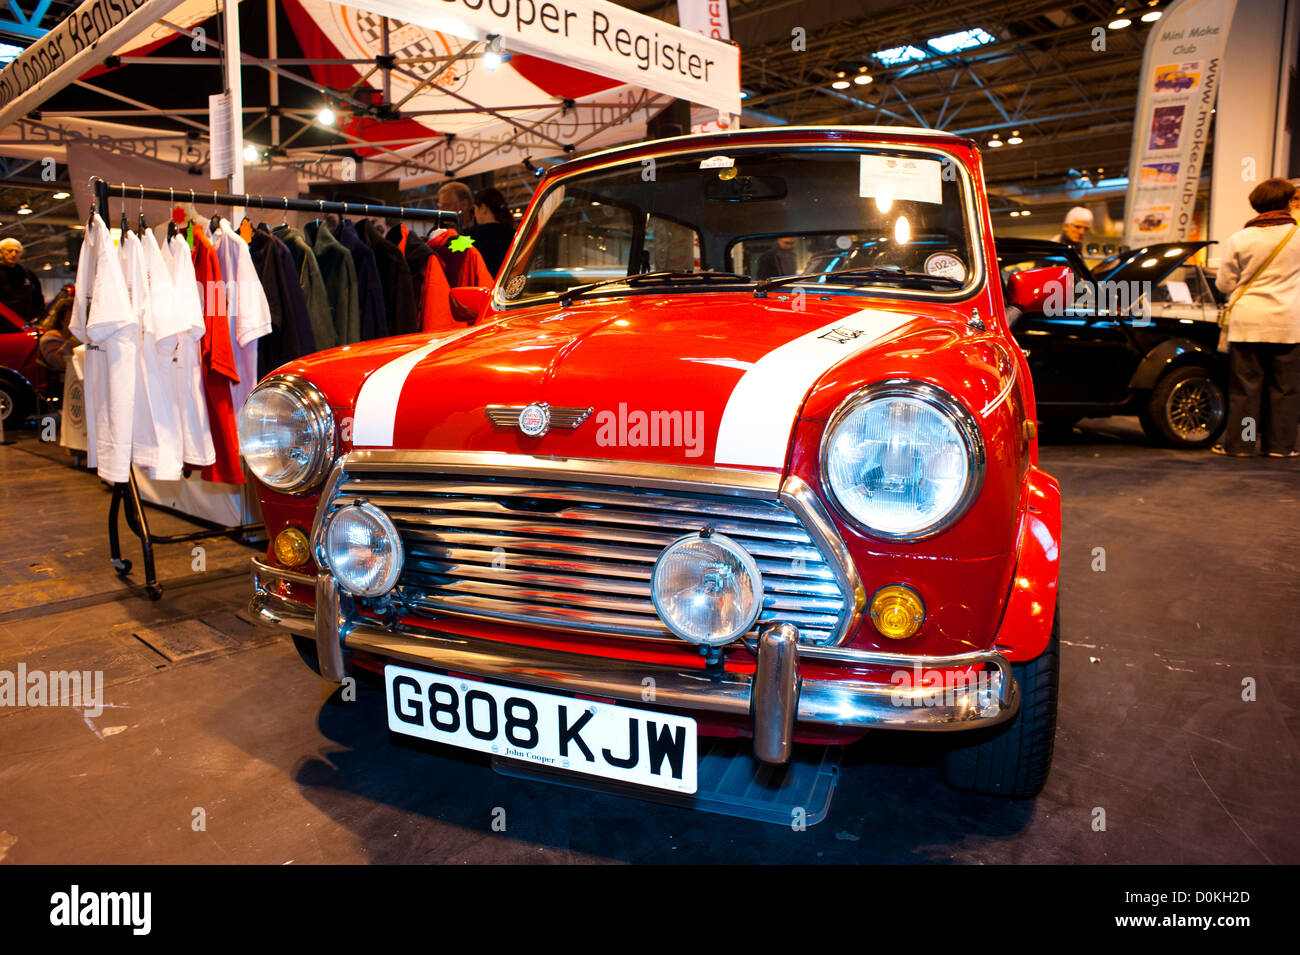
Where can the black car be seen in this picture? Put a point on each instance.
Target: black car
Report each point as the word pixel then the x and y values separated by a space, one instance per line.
pixel 1140 340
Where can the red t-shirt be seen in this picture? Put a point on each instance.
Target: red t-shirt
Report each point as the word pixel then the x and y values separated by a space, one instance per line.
pixel 218 360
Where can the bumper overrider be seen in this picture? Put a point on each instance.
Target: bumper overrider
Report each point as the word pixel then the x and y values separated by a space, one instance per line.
pixel 774 698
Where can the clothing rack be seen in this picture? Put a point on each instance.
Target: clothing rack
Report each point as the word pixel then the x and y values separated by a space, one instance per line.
pixel 126 494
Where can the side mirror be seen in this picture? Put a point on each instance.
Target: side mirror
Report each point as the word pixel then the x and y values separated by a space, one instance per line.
pixel 1033 290
pixel 468 302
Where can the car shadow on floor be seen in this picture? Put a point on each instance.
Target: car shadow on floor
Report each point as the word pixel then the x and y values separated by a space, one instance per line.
pixel 891 805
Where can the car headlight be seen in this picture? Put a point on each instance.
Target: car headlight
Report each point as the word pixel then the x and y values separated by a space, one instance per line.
pixel 286 434
pixel 902 459
pixel 361 548
pixel 707 590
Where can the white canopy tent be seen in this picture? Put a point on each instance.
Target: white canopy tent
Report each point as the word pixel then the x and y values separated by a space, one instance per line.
pixel 411 81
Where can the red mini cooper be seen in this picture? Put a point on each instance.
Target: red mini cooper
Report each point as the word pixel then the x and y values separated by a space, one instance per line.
pixel 668 486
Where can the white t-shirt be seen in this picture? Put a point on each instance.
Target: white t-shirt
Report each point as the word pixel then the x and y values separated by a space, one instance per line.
pixel 246 305
pixel 103 318
pixel 196 432
pixel 157 410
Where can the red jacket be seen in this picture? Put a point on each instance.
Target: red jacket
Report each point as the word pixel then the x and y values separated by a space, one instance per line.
pixel 218 359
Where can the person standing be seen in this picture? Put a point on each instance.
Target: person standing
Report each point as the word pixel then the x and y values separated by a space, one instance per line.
pixel 1075 227
pixel 456 197
pixel 493 227
pixel 20 289
pixel 777 261
pixel 1261 268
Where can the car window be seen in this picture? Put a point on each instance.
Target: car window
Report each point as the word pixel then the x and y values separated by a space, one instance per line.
pixel 758 212
pixel 1186 285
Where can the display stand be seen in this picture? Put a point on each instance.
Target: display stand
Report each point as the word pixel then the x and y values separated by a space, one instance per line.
pixel 126 495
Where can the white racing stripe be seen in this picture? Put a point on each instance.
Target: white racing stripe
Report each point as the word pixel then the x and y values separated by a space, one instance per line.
pixel 376 414
pixel 756 424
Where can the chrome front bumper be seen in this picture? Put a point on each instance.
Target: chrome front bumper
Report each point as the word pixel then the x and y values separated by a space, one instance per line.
pixel 775 698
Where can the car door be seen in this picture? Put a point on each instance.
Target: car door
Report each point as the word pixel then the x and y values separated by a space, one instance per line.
pixel 1079 358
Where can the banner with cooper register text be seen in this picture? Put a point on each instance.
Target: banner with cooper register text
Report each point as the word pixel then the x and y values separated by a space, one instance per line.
pixel 593 35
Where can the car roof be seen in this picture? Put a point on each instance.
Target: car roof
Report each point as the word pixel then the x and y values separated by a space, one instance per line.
pixel 739 137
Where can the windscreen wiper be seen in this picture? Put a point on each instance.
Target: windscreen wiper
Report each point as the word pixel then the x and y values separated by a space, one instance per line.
pixel 892 275
pixel 668 276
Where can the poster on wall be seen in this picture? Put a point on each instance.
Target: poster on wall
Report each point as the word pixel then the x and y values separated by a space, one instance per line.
pixel 1176 94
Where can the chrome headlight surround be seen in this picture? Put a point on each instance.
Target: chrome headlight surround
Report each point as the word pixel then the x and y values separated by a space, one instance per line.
pixel 937 399
pixel 384 531
pixel 743 563
pixel 320 431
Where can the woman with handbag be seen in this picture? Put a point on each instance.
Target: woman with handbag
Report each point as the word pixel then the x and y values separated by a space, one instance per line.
pixel 1261 325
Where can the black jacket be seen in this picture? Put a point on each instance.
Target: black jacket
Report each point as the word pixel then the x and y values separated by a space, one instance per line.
pixel 370 290
pixel 395 276
pixel 20 290
pixel 291 336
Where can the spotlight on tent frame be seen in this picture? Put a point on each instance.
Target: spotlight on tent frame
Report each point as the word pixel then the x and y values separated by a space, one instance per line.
pixel 495 53
pixel 252 153
pixel 326 116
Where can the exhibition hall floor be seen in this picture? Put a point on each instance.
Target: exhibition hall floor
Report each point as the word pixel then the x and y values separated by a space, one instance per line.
pixel 217 745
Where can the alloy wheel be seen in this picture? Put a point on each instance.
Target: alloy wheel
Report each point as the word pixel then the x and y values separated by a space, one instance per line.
pixel 1195 408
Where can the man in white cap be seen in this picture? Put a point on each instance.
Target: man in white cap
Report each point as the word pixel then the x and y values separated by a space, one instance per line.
pixel 1077 223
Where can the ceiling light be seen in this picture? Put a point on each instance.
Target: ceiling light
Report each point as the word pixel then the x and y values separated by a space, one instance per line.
pixel 1014 139
pixel 325 117
pixel 1151 16
pixel 1024 212
pixel 862 79
pixel 251 153
pixel 46 267
pixel 495 53
pixel 1015 214
pixel 24 210
pixel 994 143
pixel 1119 23
pixel 841 83
pixel 63 195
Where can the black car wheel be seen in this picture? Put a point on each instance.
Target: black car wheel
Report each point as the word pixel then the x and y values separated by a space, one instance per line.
pixel 1187 409
pixel 13 405
pixel 1014 758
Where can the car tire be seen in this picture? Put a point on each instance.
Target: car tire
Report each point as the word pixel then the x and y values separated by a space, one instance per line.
pixel 1187 409
pixel 14 405
pixel 1014 758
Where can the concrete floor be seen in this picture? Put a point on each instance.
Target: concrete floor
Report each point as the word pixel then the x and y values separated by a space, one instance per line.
pixel 211 717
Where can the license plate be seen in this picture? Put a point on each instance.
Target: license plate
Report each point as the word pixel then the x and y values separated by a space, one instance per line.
pixel 599 739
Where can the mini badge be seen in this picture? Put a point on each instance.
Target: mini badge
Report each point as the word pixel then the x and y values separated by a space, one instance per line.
pixel 535 419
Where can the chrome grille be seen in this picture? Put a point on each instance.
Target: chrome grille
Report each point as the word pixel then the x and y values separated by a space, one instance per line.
pixel 578 556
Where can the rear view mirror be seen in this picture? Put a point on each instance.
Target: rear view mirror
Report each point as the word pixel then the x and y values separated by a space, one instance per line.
pixel 745 188
pixel 468 302
pixel 1041 290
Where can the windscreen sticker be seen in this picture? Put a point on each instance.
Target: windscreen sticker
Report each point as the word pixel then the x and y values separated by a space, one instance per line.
pixel 900 178
pixel 717 162
pixel 946 265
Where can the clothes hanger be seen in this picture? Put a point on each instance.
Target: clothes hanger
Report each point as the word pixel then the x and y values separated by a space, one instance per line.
pixel 215 222
pixel 171 212
pixel 123 228
pixel 143 226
